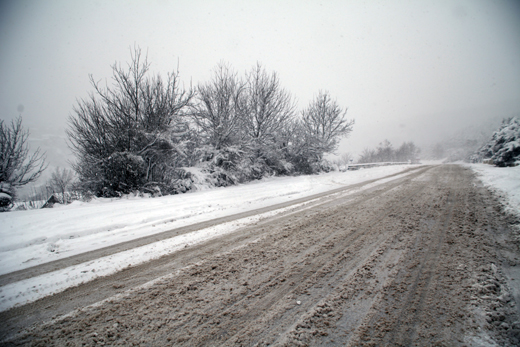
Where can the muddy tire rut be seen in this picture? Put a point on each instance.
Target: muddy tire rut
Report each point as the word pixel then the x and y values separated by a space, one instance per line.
pixel 426 259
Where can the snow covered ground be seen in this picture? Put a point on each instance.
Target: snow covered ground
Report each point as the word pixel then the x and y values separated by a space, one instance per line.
pixel 33 237
pixel 29 238
pixel 504 180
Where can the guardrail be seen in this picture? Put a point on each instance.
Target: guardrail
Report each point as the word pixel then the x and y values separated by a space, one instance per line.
pixel 351 167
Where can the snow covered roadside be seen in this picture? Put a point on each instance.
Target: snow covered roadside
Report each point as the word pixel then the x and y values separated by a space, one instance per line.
pixel 38 236
pixel 504 179
pixel 31 289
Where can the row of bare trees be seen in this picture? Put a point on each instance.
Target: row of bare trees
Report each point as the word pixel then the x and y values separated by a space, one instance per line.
pixel 145 133
pixel 385 152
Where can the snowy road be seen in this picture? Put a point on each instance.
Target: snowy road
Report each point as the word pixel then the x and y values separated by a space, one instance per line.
pixel 43 252
pixel 424 258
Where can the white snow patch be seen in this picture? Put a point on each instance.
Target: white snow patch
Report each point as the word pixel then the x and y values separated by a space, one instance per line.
pixel 504 179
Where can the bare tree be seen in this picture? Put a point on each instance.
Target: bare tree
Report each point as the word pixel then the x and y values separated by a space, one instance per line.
pixel 220 107
pixel 367 156
pixel 60 181
pixel 325 123
pixel 17 167
pixel 268 110
pixel 269 106
pixel 385 152
pixel 128 135
pixel 408 151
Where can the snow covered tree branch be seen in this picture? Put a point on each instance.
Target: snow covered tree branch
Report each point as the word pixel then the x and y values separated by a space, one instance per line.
pixel 219 110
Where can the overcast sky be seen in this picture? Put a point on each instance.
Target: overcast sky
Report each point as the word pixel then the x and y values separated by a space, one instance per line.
pixel 406 70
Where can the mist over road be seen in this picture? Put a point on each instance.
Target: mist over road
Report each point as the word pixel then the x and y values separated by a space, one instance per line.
pixel 425 259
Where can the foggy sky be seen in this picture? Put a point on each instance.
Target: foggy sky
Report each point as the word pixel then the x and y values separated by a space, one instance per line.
pixel 406 70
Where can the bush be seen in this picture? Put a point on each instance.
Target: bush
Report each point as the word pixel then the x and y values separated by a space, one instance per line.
pixel 130 135
pixel 124 172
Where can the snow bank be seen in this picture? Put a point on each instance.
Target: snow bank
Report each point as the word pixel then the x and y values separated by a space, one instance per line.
pixel 504 179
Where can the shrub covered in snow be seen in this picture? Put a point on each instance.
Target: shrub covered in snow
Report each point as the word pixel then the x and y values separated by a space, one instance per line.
pixel 123 172
pixel 128 136
pixel 504 147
